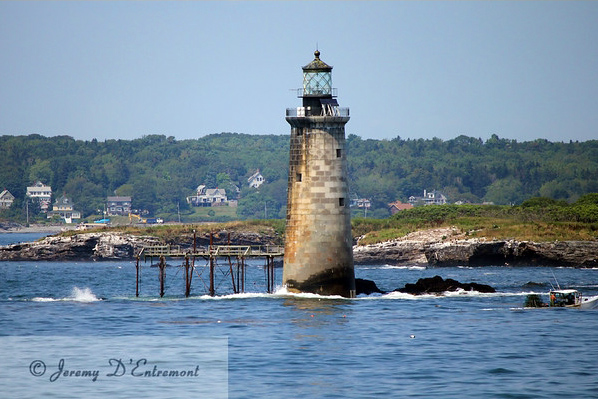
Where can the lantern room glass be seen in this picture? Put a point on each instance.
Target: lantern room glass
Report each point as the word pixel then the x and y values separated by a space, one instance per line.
pixel 317 83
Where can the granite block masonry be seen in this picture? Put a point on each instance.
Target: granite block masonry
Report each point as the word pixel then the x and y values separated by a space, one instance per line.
pixel 318 244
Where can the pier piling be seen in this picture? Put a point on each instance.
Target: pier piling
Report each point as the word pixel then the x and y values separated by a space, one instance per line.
pixel 162 267
pixel 211 254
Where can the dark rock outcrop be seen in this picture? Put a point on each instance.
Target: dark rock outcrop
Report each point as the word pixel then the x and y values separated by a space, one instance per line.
pixel 83 246
pixel 475 252
pixel 479 253
pixel 533 284
pixel 9 226
pixel 423 250
pixel 437 285
pixel 392 252
pixel 104 245
pixel 185 240
pixel 367 287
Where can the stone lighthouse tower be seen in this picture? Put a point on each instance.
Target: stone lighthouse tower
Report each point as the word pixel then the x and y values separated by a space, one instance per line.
pixel 318 255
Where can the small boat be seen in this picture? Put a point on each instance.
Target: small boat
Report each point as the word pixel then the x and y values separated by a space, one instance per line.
pixel 572 299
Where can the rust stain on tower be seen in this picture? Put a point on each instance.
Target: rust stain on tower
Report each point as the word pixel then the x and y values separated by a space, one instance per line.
pixel 318 256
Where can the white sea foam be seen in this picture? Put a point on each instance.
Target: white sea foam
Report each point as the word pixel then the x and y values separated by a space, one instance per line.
pixel 280 292
pixel 589 285
pixel 83 295
pixel 42 299
pixel 413 267
pixel 77 294
pixel 386 267
pixel 402 295
pixel 462 292
pixel 448 294
pixel 242 295
pixel 283 292
pixel 524 293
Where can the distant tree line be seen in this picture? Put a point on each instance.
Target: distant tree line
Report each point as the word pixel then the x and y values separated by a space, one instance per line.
pixel 584 210
pixel 468 169
pixel 159 172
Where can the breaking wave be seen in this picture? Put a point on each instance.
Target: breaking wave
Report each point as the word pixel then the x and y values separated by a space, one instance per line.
pixel 77 295
pixel 412 267
pixel 83 295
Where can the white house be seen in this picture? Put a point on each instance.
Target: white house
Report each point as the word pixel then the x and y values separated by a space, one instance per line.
pixel 255 180
pixel 42 192
pixel 360 203
pixel 429 198
pixel 118 205
pixel 356 202
pixel 6 199
pixel 208 197
pixel 64 208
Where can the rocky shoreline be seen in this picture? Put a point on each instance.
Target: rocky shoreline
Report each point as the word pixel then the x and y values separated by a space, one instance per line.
pixel 84 246
pixel 9 227
pixel 447 247
pixel 434 247
pixel 105 245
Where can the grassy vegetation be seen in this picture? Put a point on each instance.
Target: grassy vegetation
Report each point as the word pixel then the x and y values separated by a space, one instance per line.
pixel 538 219
pixel 170 232
pixel 492 228
pixel 205 214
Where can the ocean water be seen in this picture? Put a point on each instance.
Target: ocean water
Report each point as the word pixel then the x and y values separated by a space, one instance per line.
pixel 258 345
pixel 15 238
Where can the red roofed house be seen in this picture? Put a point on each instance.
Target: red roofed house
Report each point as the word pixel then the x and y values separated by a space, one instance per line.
pixel 397 206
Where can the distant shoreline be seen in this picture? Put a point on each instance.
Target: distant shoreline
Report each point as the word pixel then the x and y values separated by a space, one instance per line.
pixel 431 247
pixel 36 228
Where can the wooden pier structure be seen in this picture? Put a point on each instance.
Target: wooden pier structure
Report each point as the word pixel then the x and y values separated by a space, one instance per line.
pixel 234 255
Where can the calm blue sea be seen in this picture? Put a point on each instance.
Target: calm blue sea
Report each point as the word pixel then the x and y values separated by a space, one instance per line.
pixel 280 345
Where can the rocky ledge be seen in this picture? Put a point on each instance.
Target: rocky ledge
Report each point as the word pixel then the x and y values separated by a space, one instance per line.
pixel 437 285
pixel 111 245
pixel 439 247
pixel 424 286
pixel 95 246
pixel 447 247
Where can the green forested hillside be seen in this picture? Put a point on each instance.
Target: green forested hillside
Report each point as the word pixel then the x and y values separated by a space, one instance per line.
pixel 465 168
pixel 537 219
pixel 159 171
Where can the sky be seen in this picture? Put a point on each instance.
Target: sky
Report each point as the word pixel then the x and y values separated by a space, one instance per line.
pixel 414 69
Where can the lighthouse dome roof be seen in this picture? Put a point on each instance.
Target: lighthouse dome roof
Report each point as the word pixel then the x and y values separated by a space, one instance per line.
pixel 317 64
